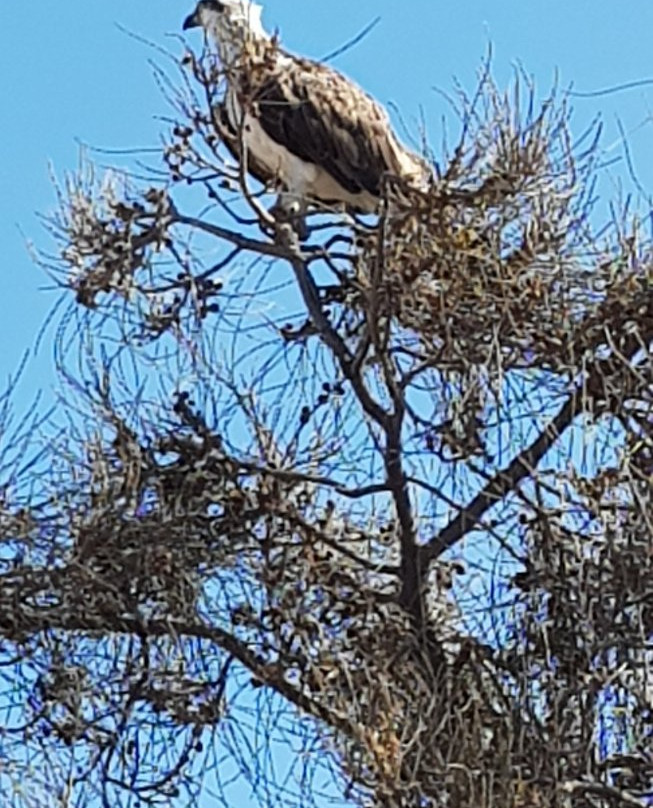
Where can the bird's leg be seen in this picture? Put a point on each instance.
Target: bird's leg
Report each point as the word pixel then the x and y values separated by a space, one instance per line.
pixel 291 209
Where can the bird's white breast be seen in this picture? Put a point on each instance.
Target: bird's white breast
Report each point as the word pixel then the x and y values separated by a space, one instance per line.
pixel 296 174
pixel 300 178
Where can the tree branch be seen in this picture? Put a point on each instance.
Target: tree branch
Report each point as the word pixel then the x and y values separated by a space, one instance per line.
pixel 586 392
pixel 270 675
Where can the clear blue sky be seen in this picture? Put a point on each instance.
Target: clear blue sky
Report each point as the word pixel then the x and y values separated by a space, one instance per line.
pixel 69 75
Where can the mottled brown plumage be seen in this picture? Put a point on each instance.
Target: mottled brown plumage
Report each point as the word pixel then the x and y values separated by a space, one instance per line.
pixel 324 119
pixel 302 123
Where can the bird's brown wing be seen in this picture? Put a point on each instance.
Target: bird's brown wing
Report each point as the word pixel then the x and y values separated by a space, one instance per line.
pixel 325 119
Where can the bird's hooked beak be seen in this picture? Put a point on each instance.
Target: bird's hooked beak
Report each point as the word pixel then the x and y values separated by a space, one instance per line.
pixel 192 21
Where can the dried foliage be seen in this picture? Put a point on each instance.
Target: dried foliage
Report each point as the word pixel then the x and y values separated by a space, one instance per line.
pixel 382 496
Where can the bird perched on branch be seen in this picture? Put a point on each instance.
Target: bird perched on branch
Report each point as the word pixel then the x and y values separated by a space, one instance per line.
pixel 299 123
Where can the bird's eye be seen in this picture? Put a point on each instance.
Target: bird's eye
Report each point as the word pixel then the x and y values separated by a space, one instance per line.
pixel 216 6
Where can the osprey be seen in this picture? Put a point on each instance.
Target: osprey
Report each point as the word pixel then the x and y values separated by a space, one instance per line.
pixel 298 123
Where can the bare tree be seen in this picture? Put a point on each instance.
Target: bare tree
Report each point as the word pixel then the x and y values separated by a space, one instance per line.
pixel 382 496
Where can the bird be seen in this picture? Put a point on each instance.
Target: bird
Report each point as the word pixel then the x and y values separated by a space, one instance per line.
pixel 299 123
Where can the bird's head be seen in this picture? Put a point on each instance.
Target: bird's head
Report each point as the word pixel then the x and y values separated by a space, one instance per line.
pixel 229 21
